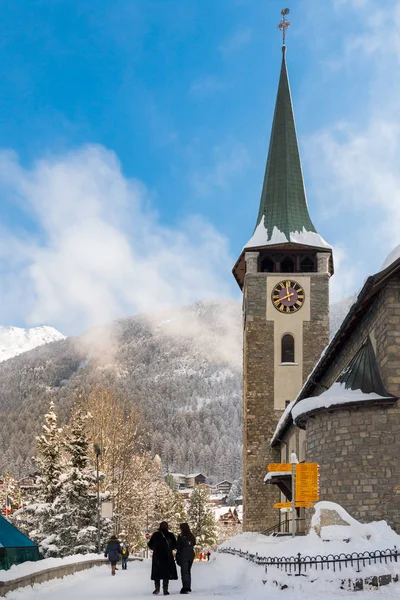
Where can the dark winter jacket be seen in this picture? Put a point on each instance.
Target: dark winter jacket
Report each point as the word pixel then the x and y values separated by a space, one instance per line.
pixel 185 548
pixel 113 550
pixel 163 562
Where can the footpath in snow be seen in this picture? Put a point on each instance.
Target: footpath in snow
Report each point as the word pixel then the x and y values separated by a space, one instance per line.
pixel 223 577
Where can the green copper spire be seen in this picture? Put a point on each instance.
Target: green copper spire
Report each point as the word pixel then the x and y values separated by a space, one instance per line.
pixel 283 199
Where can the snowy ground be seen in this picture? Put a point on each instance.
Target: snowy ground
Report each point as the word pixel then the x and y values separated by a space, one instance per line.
pixel 223 577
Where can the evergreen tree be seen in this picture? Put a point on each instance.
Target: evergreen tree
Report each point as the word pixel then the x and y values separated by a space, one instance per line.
pixel 34 519
pixel 48 458
pixel 201 519
pixel 74 511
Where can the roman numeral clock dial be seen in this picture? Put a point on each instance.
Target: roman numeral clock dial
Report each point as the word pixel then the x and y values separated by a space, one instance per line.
pixel 288 296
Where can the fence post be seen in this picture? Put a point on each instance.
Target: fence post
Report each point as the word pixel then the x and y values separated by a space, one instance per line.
pixel 299 563
pixel 395 553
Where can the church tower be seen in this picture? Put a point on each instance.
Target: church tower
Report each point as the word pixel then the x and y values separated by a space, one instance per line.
pixel 284 272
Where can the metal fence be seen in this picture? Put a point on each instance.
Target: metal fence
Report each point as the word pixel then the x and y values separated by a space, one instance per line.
pixel 298 565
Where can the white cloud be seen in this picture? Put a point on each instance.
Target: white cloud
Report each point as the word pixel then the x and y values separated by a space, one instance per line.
pixel 99 254
pixel 354 162
pixel 236 41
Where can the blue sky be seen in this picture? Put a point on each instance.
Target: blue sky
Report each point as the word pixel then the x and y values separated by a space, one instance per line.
pixel 134 133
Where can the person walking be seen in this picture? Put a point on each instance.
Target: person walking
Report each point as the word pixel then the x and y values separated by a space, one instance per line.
pixel 113 552
pixel 208 555
pixel 162 543
pixel 124 554
pixel 185 556
pixel 200 556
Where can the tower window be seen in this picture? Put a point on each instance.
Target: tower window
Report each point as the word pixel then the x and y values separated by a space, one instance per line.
pixel 307 265
pixel 287 348
pixel 267 265
pixel 287 265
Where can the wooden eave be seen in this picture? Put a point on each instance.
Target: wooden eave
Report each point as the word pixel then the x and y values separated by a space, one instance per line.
pixel 239 269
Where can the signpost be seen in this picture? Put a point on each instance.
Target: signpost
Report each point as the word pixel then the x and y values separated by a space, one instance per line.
pixel 305 485
pixel 279 467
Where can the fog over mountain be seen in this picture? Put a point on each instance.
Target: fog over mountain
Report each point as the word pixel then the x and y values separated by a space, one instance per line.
pixel 181 367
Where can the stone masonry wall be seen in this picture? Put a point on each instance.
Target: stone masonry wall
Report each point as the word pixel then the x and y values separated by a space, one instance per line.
pixel 358 450
pixel 316 331
pixel 359 460
pixel 259 416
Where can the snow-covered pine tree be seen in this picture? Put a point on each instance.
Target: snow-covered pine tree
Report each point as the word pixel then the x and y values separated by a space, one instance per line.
pixel 201 519
pixel 48 457
pixel 34 518
pixel 74 511
pixel 234 493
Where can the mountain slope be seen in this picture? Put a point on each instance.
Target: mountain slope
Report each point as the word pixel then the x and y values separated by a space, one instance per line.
pixel 181 367
pixel 15 340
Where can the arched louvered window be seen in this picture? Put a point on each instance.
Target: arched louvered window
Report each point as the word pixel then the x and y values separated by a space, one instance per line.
pixel 287 355
pixel 267 265
pixel 307 265
pixel 287 265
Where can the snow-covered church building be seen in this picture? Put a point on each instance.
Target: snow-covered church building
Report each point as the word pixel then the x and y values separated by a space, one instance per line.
pixel 334 403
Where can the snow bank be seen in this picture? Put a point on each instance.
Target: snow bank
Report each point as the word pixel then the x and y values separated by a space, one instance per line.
pixel 336 395
pixel 29 567
pixel 363 537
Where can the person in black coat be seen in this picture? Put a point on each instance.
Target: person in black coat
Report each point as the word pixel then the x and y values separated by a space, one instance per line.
pixel 185 556
pixel 162 543
pixel 113 552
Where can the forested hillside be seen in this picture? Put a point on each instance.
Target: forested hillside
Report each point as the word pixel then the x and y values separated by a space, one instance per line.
pixel 182 370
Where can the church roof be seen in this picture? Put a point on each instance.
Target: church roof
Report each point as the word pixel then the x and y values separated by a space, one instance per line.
pixel 359 383
pixel 366 296
pixel 362 373
pixel 283 215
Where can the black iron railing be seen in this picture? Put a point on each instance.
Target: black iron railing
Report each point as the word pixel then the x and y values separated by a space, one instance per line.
pixel 298 565
pixel 284 527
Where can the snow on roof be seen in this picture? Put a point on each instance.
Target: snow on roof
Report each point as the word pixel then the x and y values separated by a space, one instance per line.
pixel 391 257
pixel 194 475
pixel 336 395
pixel 270 476
pixel 261 237
pixel 177 474
pixel 225 481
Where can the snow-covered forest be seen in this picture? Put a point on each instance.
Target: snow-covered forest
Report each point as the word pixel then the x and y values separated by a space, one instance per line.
pixel 181 370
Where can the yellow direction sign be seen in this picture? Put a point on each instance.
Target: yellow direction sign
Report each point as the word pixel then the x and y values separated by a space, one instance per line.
pixel 307 489
pixel 289 504
pixel 280 467
pixel 283 505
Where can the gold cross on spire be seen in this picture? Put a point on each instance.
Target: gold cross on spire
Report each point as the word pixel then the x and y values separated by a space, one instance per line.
pixel 284 24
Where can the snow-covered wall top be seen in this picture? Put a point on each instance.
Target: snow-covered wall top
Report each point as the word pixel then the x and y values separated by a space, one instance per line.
pixel 336 395
pixel 16 340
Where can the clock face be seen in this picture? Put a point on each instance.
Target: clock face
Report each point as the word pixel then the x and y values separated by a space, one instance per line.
pixel 288 296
